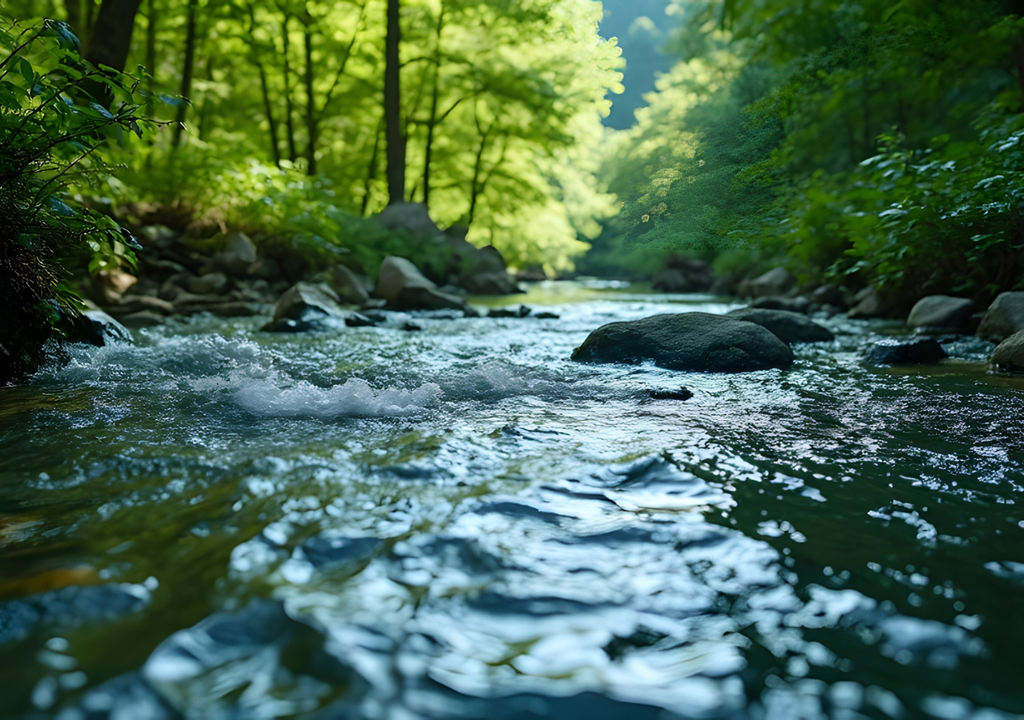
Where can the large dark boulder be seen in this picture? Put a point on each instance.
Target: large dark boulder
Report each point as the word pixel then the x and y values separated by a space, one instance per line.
pixel 307 307
pixel 1004 317
pixel 922 351
pixel 404 287
pixel 97 328
pixel 941 311
pixel 688 341
pixel 789 327
pixel 1009 355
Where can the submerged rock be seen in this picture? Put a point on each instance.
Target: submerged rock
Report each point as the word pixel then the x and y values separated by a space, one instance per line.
pixel 774 302
pixel 941 311
pixel 306 307
pixel 97 328
pixel 1009 355
pixel 72 606
pixel 1004 317
pixel 688 341
pixel 789 327
pixel 905 352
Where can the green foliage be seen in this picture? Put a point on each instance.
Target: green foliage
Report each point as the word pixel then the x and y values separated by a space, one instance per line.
pixel 50 130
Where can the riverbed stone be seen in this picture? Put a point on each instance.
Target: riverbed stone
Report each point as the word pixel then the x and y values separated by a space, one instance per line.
pixel 799 304
pixel 1004 317
pixel 1009 354
pixel 404 287
pixel 206 284
pixel 828 294
pixel 683 274
pixel 698 342
pixel 98 328
pixel 777 281
pixel 346 284
pixel 789 327
pixel 941 311
pixel 409 217
pixel 239 255
pixel 869 303
pixel 306 307
pixel 919 351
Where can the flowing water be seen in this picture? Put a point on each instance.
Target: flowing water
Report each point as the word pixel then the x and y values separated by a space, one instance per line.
pixel 461 523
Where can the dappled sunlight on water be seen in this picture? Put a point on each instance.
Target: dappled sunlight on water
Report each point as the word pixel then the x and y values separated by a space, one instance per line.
pixel 461 523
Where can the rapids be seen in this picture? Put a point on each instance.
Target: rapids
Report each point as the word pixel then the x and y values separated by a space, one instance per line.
pixel 462 523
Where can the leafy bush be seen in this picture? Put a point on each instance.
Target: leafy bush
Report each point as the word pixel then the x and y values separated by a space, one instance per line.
pixel 50 132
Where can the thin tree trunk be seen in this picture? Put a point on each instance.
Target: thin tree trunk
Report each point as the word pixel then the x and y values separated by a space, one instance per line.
pixel 311 119
pixel 186 73
pixel 268 108
pixel 372 174
pixel 73 10
pixel 393 106
pixel 204 114
pixel 289 127
pixel 432 122
pixel 477 171
pixel 151 55
pixel 111 39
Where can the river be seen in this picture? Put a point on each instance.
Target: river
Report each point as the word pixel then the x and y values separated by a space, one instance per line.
pixel 459 522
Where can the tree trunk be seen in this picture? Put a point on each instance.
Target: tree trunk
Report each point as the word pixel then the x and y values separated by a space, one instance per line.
pixel 268 108
pixel 73 10
pixel 311 119
pixel 478 167
pixel 186 72
pixel 372 174
pixel 289 127
pixel 112 33
pixel 432 122
pixel 393 107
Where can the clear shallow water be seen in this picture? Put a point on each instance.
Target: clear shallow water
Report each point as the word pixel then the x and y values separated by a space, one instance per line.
pixel 460 523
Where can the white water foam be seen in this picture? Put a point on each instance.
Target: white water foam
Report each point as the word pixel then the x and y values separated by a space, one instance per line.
pixel 355 398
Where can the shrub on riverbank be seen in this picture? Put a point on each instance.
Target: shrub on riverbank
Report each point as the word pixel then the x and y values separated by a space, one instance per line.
pixel 50 130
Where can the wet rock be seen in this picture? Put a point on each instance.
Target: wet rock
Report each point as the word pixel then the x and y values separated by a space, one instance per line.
pixel 140 303
pixel 97 328
pixel 410 326
pixel 683 274
pixel 403 286
pixel 533 273
pixel 687 341
pixel 209 283
pixel 1009 354
pixel 828 294
pixel 160 237
pixel 789 327
pixel 869 303
pixel 410 217
pixel 70 607
pixel 798 304
pixel 306 307
pixel 491 283
pixel 143 319
pixel 777 281
pixel 349 288
pixel 235 308
pixel 239 256
pixel 682 394
pixel 109 285
pixel 1004 317
pixel 941 311
pixel 920 351
pixel 507 312
pixel 545 315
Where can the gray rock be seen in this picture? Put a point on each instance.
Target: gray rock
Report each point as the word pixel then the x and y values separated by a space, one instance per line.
pixel 410 217
pixel 921 351
pixel 491 283
pixel 99 329
pixel 869 303
pixel 211 282
pixel 941 311
pixel 239 256
pixel 1009 355
pixel 140 303
pixel 1004 317
pixel 346 284
pixel 828 294
pixel 683 274
pixel 773 302
pixel 404 287
pixel 142 319
pixel 687 341
pixel 777 281
pixel 789 327
pixel 306 307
